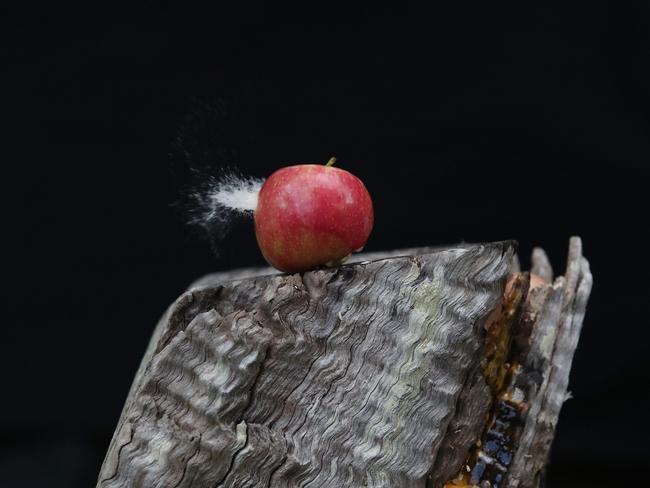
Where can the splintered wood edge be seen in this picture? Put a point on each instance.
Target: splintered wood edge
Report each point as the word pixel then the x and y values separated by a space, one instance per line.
pixel 514 447
pixel 545 401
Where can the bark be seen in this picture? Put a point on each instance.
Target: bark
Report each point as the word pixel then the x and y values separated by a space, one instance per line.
pixel 397 370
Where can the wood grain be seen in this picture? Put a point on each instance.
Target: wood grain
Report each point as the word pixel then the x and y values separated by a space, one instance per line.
pixel 368 374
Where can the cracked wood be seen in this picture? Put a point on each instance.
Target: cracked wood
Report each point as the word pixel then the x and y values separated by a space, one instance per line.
pixel 367 374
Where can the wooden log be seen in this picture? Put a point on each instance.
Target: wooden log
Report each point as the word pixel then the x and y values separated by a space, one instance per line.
pixel 397 370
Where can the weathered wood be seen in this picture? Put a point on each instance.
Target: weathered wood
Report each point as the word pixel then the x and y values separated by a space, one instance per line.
pixel 379 373
pixel 514 446
pixel 544 376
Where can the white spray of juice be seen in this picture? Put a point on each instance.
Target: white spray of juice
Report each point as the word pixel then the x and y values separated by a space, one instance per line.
pixel 213 139
pixel 218 201
pixel 235 193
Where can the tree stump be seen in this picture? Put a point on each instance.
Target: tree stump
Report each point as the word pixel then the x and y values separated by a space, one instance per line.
pixel 421 368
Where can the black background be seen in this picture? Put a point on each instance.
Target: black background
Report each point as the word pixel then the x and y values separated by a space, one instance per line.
pixel 465 122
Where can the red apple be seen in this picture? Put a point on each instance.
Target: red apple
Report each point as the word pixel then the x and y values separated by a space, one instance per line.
pixel 311 215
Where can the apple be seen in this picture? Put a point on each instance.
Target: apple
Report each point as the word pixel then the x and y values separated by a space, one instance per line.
pixel 310 215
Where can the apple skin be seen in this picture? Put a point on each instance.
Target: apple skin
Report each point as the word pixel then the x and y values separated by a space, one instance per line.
pixel 309 215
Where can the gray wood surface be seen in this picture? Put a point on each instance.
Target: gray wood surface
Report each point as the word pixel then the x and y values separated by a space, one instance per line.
pixel 371 374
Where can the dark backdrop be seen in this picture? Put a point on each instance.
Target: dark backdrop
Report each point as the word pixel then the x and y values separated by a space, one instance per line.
pixel 466 123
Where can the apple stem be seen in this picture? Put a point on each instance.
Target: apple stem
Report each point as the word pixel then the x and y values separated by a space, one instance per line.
pixel 331 162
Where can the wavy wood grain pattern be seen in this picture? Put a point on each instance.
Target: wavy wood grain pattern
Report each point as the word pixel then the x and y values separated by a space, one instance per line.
pixel 350 376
